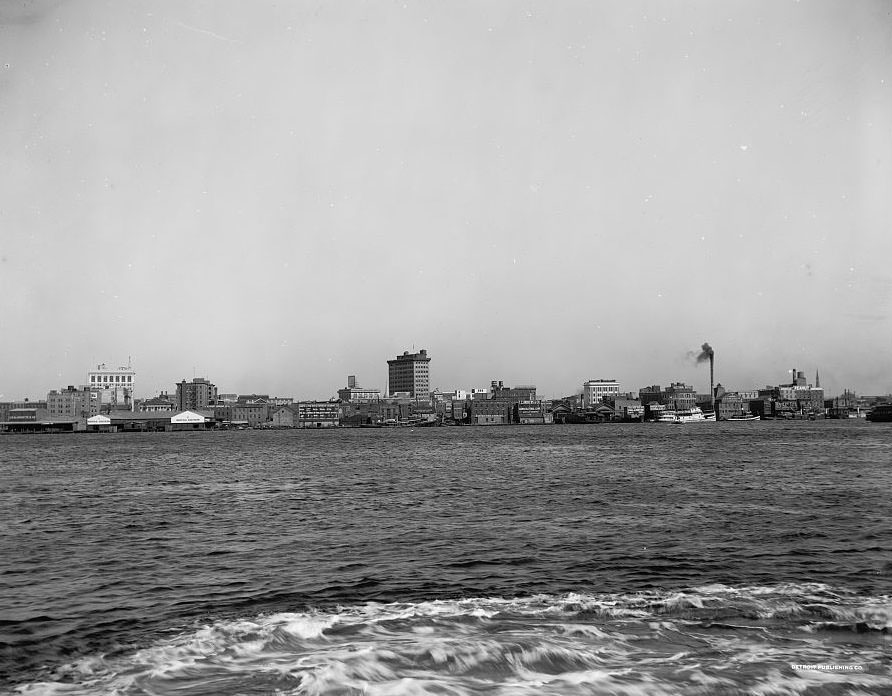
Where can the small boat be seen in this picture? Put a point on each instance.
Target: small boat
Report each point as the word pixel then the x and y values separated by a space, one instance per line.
pixel 743 417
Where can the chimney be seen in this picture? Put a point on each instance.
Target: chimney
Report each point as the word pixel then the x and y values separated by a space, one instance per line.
pixel 711 377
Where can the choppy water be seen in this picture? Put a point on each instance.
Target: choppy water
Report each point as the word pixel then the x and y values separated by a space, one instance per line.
pixel 640 559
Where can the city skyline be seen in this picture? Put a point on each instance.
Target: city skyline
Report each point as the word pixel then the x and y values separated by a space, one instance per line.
pixel 276 197
pixel 140 392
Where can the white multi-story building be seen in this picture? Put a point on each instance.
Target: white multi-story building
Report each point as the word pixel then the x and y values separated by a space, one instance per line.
pixel 114 384
pixel 595 390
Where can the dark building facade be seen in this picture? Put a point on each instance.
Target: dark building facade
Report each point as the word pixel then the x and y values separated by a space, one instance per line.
pixel 410 372
pixel 491 411
pixel 197 394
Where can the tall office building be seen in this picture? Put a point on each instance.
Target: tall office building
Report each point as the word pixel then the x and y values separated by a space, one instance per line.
pixel 410 372
pixel 197 394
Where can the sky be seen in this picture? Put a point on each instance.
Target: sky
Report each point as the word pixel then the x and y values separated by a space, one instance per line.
pixel 278 195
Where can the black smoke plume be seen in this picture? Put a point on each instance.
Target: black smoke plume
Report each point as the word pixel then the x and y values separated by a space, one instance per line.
pixel 706 353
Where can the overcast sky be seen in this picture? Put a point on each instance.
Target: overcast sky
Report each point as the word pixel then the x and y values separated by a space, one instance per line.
pixel 276 195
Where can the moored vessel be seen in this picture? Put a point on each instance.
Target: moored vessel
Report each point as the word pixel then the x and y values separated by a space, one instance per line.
pixel 692 415
pixel 667 416
pixel 881 413
pixel 744 417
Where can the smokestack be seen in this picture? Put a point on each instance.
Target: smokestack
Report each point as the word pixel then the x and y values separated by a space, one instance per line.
pixel 707 353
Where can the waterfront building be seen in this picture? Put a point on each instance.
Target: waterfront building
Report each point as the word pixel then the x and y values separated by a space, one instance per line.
pixel 253 399
pixel 796 397
pixel 651 394
pixel 356 394
pixel 594 391
pixel 198 419
pixel 28 416
pixel 115 385
pixel 787 392
pixel 223 413
pixel 8 407
pixel 129 421
pixel 76 403
pixel 524 392
pixel 284 417
pixel 679 396
pixel 100 423
pixel 847 405
pixel 458 410
pixel 252 414
pixel 810 398
pixel 439 398
pixel 197 394
pixel 761 406
pixel 626 408
pixel 38 420
pixel 531 413
pixel 570 403
pixel 490 411
pixel 382 412
pixel 318 414
pixel 728 404
pixel 157 404
pixel 28 413
pixel 410 372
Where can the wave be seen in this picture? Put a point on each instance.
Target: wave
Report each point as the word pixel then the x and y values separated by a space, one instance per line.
pixel 714 639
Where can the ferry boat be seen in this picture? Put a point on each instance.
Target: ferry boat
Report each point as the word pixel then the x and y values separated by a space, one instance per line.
pixel 693 415
pixel 665 415
pixel 881 413
pixel 685 415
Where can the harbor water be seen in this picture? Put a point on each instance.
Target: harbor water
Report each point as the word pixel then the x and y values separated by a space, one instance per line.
pixel 714 558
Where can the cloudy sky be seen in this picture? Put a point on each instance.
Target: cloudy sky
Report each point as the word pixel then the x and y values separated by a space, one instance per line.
pixel 276 195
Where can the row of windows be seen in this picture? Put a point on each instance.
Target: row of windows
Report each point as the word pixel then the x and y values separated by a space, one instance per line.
pixel 117 379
